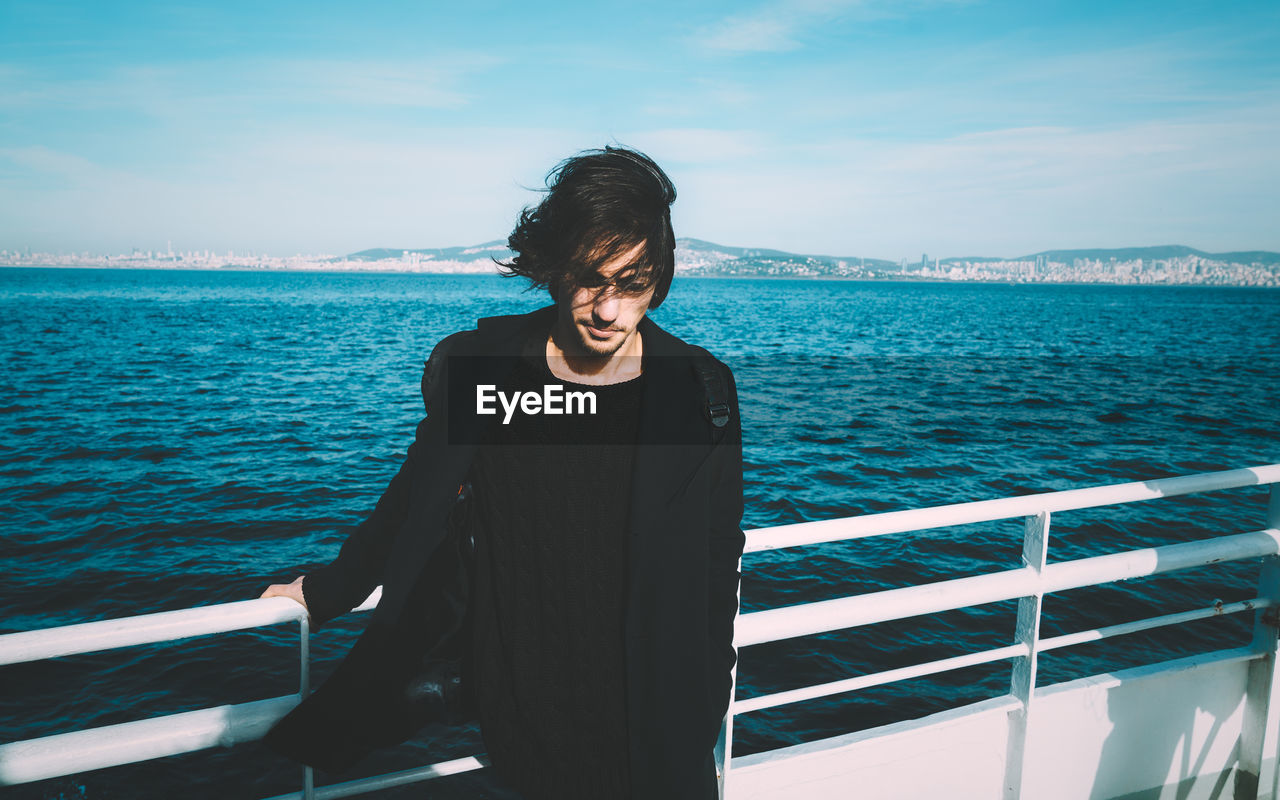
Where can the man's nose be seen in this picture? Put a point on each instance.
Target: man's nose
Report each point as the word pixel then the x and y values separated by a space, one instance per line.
pixel 606 306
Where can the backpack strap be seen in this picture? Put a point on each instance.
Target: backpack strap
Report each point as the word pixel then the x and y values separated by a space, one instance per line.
pixel 433 367
pixel 716 408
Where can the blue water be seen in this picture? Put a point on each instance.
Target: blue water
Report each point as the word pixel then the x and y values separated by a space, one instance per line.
pixel 174 439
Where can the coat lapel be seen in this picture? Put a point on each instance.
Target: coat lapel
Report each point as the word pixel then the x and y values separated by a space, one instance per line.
pixel 672 439
pixel 435 488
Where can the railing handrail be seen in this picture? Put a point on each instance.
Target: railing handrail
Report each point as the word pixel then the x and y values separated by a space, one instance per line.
pixel 759 627
pixel 919 519
pixel 127 742
pixel 164 626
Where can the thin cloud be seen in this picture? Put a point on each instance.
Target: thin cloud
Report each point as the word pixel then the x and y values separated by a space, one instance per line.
pixel 763 32
pixel 293 191
pixel 377 83
pixel 1203 182
pixel 698 145
pixel 43 167
pixel 219 87
pixel 780 26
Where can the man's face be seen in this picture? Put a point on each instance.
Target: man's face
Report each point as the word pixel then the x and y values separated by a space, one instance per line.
pixel 602 320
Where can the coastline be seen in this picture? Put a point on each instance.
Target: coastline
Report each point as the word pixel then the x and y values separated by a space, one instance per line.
pixel 242 269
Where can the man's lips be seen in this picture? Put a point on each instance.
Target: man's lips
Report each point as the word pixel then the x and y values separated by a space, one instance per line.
pixel 598 332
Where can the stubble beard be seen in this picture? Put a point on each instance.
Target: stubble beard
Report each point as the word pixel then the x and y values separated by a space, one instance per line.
pixel 595 347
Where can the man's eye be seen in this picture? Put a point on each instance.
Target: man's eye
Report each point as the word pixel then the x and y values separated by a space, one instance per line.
pixel 631 288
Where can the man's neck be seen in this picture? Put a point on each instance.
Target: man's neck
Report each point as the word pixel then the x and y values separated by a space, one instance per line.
pixel 575 366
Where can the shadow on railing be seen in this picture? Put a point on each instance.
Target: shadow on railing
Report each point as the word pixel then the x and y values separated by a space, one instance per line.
pixel 80 751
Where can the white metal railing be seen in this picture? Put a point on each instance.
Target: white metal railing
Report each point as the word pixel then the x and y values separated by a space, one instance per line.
pixel 143 740
pixel 79 751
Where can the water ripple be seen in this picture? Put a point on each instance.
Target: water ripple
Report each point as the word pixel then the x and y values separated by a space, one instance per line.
pixel 179 439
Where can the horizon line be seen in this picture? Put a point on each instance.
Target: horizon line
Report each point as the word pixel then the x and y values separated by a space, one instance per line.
pixel 496 244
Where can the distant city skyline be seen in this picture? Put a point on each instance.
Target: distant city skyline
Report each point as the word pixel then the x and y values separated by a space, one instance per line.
pixel 498 243
pixel 845 127
pixel 1167 265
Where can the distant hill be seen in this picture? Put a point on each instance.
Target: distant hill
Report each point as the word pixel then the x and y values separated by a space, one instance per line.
pixel 699 245
pixel 496 249
pixel 719 252
pixel 1158 253
pixel 1250 257
pixel 700 257
pixel 696 256
pixel 693 256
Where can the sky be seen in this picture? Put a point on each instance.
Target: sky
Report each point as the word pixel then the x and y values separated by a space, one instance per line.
pixel 838 127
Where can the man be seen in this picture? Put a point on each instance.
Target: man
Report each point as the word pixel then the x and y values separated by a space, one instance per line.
pixel 597 635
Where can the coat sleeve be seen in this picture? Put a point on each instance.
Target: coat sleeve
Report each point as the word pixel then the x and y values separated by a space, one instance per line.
pixel 344 583
pixel 725 544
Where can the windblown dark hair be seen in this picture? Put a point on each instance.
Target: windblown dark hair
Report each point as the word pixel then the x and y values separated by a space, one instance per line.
pixel 599 204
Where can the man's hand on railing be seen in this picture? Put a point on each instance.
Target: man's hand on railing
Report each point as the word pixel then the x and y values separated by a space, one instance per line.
pixel 293 591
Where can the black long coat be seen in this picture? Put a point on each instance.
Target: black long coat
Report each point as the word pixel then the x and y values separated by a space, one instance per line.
pixel 685 544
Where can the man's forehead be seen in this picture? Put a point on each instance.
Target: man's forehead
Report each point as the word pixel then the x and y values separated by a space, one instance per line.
pixel 626 260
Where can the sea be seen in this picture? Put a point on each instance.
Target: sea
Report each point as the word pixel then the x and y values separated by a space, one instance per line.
pixel 171 439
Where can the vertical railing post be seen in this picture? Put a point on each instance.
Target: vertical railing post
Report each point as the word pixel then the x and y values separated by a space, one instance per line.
pixel 304 689
pixel 724 743
pixel 723 753
pixel 1022 684
pixel 1271 741
pixel 1257 775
